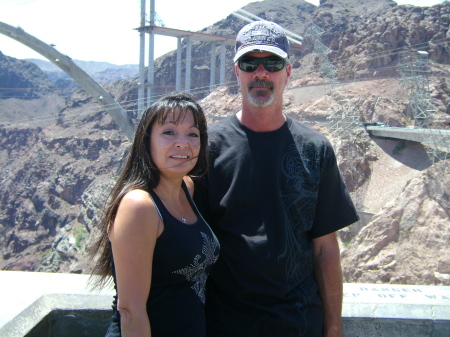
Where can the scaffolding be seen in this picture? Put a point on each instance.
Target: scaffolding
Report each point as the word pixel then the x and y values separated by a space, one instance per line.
pixel 153 25
pixel 344 117
pixel 414 70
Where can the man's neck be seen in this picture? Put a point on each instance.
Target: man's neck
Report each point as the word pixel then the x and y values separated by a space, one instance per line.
pixel 261 119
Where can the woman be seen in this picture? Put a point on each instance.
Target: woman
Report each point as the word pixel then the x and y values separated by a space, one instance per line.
pixel 155 244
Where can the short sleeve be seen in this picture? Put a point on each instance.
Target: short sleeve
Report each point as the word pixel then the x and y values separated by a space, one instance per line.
pixel 335 209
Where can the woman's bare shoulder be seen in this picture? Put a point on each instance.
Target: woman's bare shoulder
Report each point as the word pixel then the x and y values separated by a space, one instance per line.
pixel 137 209
pixel 189 183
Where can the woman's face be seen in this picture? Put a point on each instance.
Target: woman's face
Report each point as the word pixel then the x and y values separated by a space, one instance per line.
pixel 175 147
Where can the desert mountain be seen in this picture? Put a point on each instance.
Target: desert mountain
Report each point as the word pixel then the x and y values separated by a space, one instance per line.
pixel 102 72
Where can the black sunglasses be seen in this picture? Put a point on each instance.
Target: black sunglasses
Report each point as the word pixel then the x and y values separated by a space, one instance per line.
pixel 271 64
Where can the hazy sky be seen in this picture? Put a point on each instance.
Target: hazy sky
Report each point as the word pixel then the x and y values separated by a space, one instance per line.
pixel 103 30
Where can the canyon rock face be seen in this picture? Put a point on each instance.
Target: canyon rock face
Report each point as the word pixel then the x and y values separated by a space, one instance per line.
pixel 20 74
pixel 62 155
pixel 53 185
pixel 367 38
pixel 408 241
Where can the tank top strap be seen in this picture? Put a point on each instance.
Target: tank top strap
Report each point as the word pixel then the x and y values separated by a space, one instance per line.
pixel 161 208
pixel 189 198
pixel 158 204
pixel 192 203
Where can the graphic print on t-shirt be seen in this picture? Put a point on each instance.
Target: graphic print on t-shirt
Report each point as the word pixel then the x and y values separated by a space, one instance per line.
pixel 196 271
pixel 301 172
pixel 301 179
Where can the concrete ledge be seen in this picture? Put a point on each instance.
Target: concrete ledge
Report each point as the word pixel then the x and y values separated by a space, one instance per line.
pixel 29 297
pixel 77 323
pixel 38 319
pixel 35 304
pixel 397 301
pixel 377 310
pixel 382 327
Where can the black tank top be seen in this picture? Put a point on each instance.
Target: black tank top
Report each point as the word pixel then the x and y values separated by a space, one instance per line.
pixel 183 257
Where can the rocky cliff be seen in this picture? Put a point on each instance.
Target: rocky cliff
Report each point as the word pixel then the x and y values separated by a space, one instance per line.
pixel 61 156
pixel 16 75
pixel 408 240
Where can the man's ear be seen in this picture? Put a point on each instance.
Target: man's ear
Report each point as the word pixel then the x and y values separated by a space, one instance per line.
pixel 236 70
pixel 288 72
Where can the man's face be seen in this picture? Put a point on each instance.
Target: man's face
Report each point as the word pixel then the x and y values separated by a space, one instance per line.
pixel 261 87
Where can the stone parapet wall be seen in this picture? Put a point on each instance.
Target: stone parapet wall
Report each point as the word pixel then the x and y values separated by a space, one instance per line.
pixel 37 304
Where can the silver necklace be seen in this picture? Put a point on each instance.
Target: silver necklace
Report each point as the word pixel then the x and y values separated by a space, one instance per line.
pixel 182 218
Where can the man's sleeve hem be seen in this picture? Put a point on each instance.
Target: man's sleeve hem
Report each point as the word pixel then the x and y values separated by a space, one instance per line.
pixel 354 218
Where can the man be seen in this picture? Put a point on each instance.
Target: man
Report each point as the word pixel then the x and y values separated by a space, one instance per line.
pixel 274 199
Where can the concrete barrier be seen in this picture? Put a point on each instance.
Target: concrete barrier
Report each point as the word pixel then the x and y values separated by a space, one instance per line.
pixel 371 310
pixel 37 302
pixel 55 304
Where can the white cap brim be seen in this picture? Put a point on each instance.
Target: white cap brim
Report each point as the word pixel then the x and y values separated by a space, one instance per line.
pixel 271 49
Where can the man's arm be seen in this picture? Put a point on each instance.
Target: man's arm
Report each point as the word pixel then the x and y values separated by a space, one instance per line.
pixel 328 272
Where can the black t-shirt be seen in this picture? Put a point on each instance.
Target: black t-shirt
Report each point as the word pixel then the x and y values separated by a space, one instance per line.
pixel 183 257
pixel 267 195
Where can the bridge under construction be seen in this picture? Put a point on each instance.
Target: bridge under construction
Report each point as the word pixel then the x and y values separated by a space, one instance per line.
pixel 155 26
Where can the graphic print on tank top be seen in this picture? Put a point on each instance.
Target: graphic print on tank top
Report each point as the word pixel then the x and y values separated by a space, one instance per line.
pixel 301 170
pixel 196 271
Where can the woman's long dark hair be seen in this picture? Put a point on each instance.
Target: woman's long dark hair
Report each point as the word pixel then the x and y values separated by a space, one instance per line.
pixel 140 172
